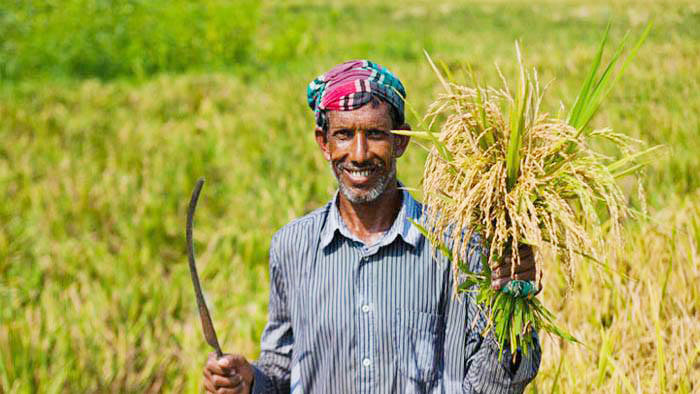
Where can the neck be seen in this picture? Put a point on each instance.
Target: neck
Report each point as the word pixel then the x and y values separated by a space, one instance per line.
pixel 369 221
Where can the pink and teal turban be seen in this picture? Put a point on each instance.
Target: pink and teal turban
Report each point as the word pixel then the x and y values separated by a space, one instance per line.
pixel 352 84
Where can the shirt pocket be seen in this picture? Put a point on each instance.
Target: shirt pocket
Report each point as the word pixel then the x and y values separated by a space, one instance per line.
pixel 418 343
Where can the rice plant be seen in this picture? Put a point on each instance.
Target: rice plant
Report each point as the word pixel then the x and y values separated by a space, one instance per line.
pixel 505 169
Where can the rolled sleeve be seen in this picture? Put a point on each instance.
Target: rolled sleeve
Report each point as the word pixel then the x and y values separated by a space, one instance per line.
pixel 486 374
pixel 525 368
pixel 262 383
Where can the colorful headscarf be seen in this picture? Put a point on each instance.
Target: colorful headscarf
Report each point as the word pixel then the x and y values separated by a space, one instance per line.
pixel 350 85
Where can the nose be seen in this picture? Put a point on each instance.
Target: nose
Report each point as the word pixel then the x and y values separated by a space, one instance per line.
pixel 360 150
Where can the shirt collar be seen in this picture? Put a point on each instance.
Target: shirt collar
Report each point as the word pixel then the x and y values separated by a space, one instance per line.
pixel 402 226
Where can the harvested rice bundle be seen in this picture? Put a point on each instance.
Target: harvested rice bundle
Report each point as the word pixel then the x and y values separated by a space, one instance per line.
pixel 503 168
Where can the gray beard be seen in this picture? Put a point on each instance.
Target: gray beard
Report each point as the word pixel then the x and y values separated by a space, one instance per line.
pixel 377 190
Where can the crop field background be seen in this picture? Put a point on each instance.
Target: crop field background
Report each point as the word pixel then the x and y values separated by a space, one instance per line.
pixel 110 111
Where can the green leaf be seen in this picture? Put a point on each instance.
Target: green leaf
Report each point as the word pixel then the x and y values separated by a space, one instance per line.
pixel 632 54
pixel 592 94
pixel 596 95
pixel 444 83
pixel 487 140
pixel 518 315
pixel 422 135
pixel 612 167
pixel 582 98
pixel 517 126
pixel 440 246
pixel 446 70
pixel 630 170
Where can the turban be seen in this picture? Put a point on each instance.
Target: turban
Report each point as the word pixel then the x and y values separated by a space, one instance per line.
pixel 351 85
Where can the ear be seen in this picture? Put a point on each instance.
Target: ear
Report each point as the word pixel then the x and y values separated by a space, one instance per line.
pixel 401 141
pixel 322 141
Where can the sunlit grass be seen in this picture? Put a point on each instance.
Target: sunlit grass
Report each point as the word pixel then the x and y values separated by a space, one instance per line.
pixel 95 177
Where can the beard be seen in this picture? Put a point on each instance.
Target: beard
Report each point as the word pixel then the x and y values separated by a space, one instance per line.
pixel 374 191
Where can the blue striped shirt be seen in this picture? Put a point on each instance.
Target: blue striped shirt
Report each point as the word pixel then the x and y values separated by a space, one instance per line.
pixel 345 317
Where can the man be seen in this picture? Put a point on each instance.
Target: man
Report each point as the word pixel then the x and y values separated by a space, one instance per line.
pixel 359 301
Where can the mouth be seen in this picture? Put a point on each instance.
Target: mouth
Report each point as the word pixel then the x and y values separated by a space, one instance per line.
pixel 360 176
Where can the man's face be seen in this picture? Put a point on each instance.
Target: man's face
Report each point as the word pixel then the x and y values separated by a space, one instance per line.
pixel 362 150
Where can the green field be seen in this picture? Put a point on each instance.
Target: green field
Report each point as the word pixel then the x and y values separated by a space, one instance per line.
pixel 110 111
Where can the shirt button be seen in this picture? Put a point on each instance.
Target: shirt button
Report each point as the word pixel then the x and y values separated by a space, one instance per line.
pixel 366 362
pixel 366 308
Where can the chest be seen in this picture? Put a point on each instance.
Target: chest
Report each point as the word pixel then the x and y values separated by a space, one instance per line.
pixel 344 287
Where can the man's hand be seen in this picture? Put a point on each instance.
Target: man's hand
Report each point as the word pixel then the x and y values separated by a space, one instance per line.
pixel 525 270
pixel 231 374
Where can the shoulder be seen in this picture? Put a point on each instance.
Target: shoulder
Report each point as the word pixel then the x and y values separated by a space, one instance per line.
pixel 297 236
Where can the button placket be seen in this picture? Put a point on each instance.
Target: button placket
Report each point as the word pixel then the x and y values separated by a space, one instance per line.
pixel 365 323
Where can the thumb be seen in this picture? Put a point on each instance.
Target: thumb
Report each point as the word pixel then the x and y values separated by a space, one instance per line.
pixel 226 361
pixel 238 363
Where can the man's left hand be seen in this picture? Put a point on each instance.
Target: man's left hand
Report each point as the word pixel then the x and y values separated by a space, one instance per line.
pixel 524 270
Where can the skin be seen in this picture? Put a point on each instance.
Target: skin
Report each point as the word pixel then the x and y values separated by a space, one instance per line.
pixel 231 374
pixel 523 271
pixel 356 140
pixel 361 140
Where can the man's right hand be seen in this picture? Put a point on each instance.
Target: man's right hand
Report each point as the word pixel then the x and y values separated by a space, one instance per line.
pixel 231 374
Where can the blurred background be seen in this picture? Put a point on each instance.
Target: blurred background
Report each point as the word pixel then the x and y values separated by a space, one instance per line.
pixel 110 111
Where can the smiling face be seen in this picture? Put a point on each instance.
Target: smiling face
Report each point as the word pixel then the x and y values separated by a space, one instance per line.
pixel 362 151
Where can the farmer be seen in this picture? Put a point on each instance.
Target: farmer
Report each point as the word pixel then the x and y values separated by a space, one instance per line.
pixel 359 301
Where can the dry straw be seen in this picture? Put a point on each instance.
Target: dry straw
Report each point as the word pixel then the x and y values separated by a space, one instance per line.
pixel 503 168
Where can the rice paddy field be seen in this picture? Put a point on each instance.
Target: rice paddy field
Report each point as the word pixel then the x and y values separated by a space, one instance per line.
pixel 110 111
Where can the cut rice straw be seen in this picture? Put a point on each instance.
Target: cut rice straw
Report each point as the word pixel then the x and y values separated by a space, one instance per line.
pixel 505 173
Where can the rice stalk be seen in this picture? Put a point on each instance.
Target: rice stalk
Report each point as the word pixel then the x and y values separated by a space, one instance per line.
pixel 502 168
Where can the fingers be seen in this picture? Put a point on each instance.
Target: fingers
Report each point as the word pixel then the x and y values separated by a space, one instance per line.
pixel 232 381
pixel 530 274
pixel 240 365
pixel 526 256
pixel 220 375
pixel 526 264
pixel 215 366
pixel 218 383
pixel 521 272
pixel 499 279
pixel 230 391
pixel 229 361
pixel 497 284
pixel 524 270
pixel 503 271
pixel 238 390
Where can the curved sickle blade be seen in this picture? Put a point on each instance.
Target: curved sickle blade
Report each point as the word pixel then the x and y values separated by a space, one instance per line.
pixel 207 325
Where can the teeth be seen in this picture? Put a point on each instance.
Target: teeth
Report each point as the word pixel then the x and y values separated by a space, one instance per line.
pixel 364 173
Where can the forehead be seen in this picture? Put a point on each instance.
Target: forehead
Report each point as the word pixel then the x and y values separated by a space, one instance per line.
pixel 373 114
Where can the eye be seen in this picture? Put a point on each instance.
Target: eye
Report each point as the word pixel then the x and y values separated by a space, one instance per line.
pixel 376 134
pixel 343 134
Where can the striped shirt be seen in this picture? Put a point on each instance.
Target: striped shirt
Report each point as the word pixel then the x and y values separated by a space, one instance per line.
pixel 345 317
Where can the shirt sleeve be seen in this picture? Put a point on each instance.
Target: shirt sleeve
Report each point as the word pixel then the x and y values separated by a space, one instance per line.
pixel 272 369
pixel 484 373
